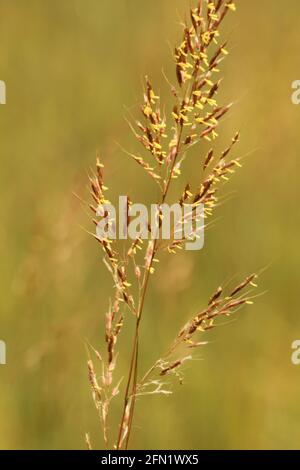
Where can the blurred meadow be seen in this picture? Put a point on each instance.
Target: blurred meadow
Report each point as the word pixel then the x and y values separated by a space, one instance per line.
pixel 73 70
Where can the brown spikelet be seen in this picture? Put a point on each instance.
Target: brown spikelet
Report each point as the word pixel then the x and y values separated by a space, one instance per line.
pixel 215 296
pixel 242 286
pixel 208 159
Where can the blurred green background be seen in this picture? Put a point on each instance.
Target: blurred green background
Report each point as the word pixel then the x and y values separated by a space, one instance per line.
pixel 72 68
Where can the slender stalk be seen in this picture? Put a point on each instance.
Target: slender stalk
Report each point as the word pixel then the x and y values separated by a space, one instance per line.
pixel 133 370
pixel 133 362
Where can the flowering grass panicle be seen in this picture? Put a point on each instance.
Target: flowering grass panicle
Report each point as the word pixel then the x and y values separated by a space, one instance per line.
pixel 165 141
